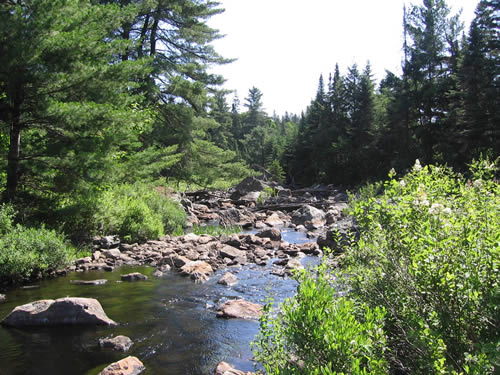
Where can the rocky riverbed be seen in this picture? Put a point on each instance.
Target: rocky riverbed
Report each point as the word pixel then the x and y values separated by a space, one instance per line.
pixel 236 272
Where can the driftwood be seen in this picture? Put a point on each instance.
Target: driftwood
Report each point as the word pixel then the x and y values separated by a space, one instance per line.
pixel 289 206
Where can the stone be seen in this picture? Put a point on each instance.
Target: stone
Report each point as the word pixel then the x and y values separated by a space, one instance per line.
pixel 135 276
pixel 198 270
pixel 157 273
pixel 231 252
pixel 84 260
pixel 63 311
pixel 112 254
pixel 293 264
pixel 274 234
pixel 309 216
pixel 228 279
pixel 178 261
pixel 190 237
pixel 89 282
pixel 224 368
pixel 239 309
pixel 108 242
pixel 127 366
pixel 118 343
pixel 249 184
pixel 274 220
pixel 3 298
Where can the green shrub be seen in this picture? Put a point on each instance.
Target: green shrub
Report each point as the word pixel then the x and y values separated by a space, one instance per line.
pixel 138 212
pixel 25 252
pixel 318 332
pixel 6 218
pixel 429 254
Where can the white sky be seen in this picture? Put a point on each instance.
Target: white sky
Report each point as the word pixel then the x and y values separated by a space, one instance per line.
pixel 283 46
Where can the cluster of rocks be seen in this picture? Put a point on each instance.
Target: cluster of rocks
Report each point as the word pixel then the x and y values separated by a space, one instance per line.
pixel 198 256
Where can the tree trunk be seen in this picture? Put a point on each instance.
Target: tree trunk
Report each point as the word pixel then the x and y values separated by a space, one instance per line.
pixel 14 147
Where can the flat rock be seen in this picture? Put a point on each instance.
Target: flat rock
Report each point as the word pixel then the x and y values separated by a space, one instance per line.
pixel 127 366
pixel 135 276
pixel 69 310
pixel 228 279
pixel 239 309
pixel 118 343
pixel 89 282
pixel 231 252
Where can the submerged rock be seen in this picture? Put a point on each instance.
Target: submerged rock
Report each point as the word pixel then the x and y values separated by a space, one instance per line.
pixel 135 276
pixel 228 279
pixel 119 343
pixel 239 309
pixel 127 366
pixel 70 310
pixel 89 282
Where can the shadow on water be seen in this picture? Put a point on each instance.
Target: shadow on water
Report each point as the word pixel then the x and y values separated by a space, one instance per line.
pixel 171 320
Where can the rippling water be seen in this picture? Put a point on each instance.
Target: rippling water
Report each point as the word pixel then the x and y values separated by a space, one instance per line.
pixel 172 322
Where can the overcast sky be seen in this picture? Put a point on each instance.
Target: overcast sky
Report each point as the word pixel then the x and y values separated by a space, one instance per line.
pixel 283 46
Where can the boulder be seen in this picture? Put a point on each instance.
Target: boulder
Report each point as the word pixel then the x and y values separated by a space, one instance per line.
pixel 239 309
pixel 274 220
pixel 228 279
pixel 338 235
pixel 112 254
pixel 309 216
pixel 231 252
pixel 107 242
pixel 224 368
pixel 118 343
pixel 127 366
pixel 89 282
pixel 135 276
pixel 249 184
pixel 274 234
pixel 198 270
pixel 69 310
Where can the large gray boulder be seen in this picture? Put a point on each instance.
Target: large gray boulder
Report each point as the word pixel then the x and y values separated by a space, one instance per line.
pixel 126 366
pixel 69 310
pixel 309 216
pixel 249 184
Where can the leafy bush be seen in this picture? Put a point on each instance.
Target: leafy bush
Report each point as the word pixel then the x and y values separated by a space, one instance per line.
pixel 318 332
pixel 429 254
pixel 427 260
pixel 26 252
pixel 265 194
pixel 138 212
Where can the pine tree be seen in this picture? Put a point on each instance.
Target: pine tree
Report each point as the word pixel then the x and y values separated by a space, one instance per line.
pixel 69 106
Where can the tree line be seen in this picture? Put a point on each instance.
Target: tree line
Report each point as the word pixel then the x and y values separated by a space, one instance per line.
pixel 97 93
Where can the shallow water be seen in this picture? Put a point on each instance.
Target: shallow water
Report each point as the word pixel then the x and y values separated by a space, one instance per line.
pixel 172 322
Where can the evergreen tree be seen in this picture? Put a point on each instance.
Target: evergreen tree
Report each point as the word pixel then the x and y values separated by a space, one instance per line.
pixel 69 107
pixel 479 78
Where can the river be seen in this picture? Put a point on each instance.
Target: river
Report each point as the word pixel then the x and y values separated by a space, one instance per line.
pixel 171 320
